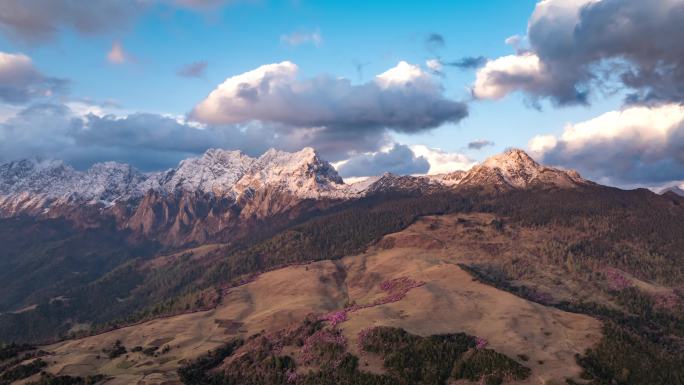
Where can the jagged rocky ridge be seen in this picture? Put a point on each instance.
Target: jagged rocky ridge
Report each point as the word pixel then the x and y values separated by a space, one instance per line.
pixel 226 191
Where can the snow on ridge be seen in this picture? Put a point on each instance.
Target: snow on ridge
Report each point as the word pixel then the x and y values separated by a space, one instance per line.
pixel 219 172
pixel 518 170
pixel 32 183
pixel 215 171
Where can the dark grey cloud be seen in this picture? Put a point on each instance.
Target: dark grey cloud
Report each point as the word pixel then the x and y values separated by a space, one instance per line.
pixel 193 70
pixel 21 82
pixel 39 20
pixel 468 62
pixel 434 41
pixel 154 142
pixel 584 46
pixel 436 66
pixel 199 4
pixel 403 99
pixel 479 144
pixel 398 160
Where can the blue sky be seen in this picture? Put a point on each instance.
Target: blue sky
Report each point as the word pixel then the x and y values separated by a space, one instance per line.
pixel 241 37
pixel 236 37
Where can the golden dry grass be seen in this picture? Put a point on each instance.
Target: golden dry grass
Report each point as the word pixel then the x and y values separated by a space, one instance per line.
pixel 450 301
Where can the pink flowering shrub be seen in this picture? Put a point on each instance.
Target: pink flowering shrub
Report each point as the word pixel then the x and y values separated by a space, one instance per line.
pixel 481 343
pixel 335 317
pixel 291 376
pixel 669 301
pixel 396 290
pixel 616 280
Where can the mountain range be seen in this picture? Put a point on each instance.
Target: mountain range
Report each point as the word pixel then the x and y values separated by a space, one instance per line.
pixel 205 197
pixel 230 269
pixel 34 186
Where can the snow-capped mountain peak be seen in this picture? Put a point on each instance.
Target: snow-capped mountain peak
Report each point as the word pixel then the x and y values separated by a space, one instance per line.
pixel 37 176
pixel 36 185
pixel 215 171
pixel 514 168
pixel 214 192
pixel 303 164
pixel 107 182
pixel 512 159
pixel 301 173
pixel 32 185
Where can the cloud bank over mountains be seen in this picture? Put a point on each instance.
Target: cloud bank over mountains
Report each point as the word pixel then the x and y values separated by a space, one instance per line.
pixel 399 159
pixel 266 107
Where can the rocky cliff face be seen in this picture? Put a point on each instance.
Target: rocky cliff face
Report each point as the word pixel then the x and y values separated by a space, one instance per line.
pixel 226 192
pixel 197 201
pixel 223 194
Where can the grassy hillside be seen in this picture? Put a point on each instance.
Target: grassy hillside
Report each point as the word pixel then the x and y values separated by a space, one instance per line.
pixel 318 355
pixel 635 231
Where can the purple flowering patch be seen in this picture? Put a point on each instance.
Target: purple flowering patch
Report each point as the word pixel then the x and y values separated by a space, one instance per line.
pixel 396 290
pixel 616 280
pixel 481 343
pixel 292 376
pixel 335 317
pixel 669 301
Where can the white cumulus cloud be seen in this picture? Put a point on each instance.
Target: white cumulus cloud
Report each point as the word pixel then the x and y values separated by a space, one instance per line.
pixel 501 76
pixel 403 98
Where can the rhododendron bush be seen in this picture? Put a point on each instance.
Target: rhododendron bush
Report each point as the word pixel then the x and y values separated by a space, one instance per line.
pixel 481 343
pixel 616 279
pixel 670 301
pixel 395 289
